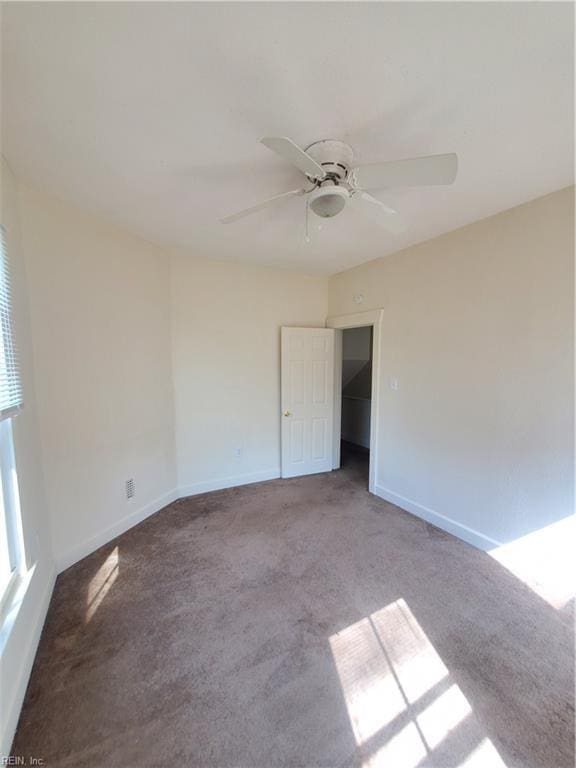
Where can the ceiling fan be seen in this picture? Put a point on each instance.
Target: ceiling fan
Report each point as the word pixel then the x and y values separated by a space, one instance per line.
pixel 336 182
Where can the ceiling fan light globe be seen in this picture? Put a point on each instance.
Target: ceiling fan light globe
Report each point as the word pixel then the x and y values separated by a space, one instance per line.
pixel 327 202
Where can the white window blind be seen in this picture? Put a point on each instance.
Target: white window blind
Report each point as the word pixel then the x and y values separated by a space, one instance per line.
pixel 10 386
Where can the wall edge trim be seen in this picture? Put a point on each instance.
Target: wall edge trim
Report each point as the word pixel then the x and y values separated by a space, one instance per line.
pixel 90 545
pixel 469 535
pixel 233 481
pixel 80 551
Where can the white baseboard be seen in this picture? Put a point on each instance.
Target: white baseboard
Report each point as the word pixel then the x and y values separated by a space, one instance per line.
pixel 11 708
pixel 103 537
pixel 218 484
pixel 471 536
pixel 129 521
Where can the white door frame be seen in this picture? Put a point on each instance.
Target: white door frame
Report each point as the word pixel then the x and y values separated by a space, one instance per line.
pixel 372 318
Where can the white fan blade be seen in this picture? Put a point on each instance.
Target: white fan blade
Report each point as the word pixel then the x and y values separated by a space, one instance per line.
pixel 414 172
pixel 260 206
pixel 381 213
pixel 291 152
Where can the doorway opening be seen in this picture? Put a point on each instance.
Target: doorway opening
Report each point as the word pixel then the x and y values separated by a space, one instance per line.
pixel 372 319
pixel 356 400
pixel 311 388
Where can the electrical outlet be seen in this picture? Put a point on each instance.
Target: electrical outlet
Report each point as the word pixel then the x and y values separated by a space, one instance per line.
pixel 238 452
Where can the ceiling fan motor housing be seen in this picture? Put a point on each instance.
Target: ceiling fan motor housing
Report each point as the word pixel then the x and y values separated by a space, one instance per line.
pixel 334 156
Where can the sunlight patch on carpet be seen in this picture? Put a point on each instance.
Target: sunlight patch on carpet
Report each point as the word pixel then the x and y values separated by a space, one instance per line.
pixel 403 706
pixel 101 584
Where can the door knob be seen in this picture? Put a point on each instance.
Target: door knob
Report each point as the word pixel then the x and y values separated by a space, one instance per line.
pixel 287 413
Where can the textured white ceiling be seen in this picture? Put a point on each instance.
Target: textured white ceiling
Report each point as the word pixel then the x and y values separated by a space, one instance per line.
pixel 150 113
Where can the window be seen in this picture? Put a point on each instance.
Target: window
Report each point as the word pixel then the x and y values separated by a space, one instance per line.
pixel 10 529
pixel 10 404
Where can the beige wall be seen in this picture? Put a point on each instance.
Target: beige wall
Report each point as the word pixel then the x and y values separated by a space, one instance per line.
pixel 226 321
pixel 22 625
pixel 123 353
pixel 478 330
pixel 101 328
pixel 165 367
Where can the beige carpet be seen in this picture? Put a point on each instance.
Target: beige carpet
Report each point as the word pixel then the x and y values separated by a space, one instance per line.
pixel 298 623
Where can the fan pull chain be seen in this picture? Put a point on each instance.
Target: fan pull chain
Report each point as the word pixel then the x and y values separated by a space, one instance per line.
pixel 306 233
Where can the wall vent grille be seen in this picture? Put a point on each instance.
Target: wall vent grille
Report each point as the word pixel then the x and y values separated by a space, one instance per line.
pixel 130 489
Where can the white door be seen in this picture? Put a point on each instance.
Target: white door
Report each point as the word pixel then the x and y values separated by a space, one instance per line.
pixel 307 400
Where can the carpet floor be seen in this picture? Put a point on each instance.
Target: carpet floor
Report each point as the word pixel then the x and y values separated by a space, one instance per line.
pixel 298 623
